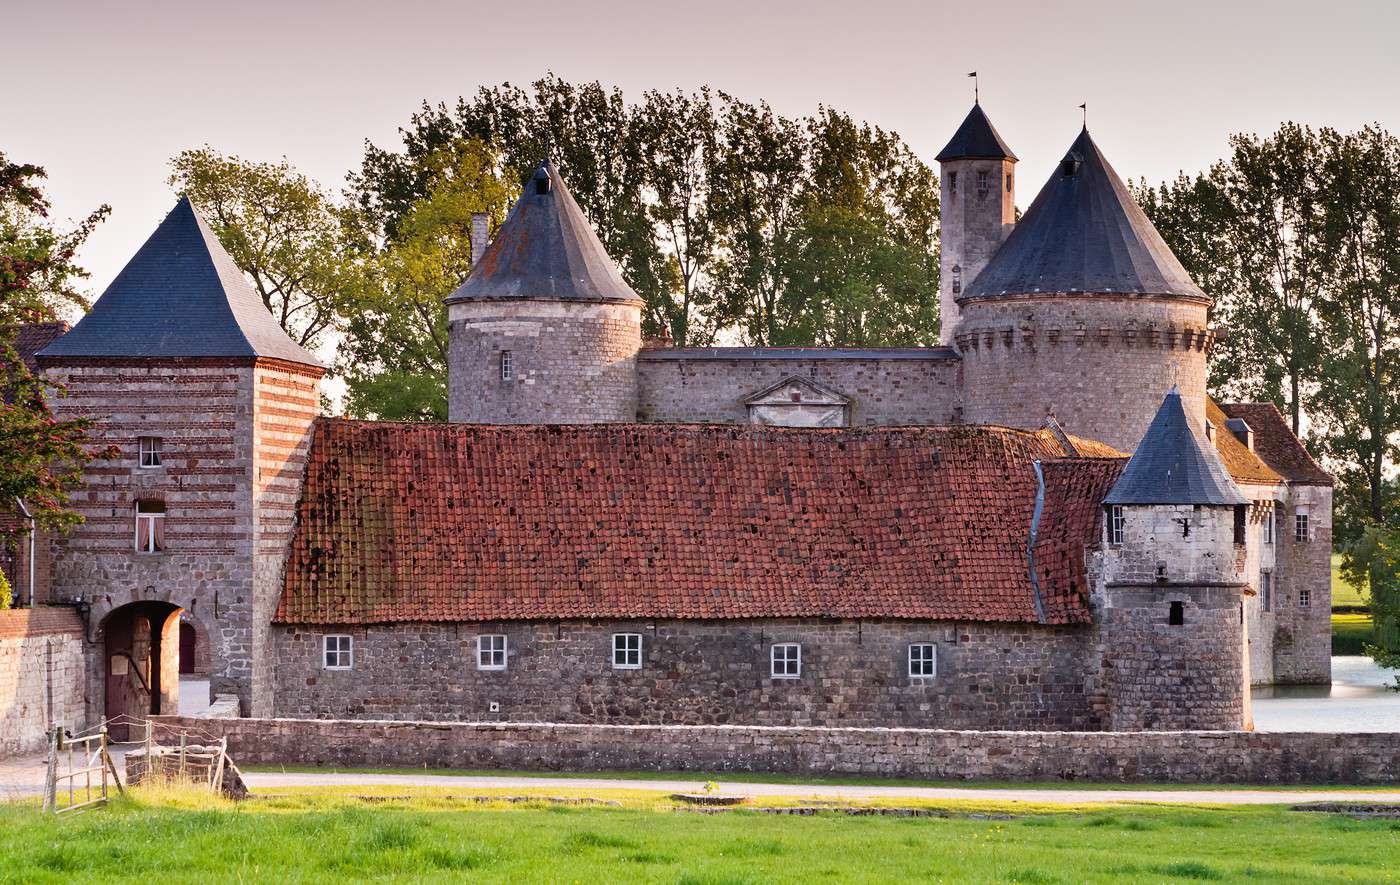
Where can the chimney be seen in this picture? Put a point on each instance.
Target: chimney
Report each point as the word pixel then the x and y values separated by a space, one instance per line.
pixel 1241 431
pixel 480 233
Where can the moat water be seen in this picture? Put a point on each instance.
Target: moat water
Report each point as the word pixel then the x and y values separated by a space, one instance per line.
pixel 1360 698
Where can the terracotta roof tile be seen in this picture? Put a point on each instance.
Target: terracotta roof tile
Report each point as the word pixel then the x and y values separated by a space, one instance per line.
pixel 34 337
pixel 444 522
pixel 1244 465
pixel 1276 444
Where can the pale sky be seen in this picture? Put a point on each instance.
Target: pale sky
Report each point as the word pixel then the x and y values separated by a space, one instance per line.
pixel 103 94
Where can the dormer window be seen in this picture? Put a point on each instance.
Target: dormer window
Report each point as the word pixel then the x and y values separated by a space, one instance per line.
pixel 150 526
pixel 149 451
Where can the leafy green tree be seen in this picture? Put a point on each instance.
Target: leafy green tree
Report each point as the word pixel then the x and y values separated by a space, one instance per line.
pixel 282 231
pixel 393 354
pixel 1373 563
pixel 41 458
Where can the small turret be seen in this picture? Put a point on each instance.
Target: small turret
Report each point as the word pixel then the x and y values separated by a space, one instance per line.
pixel 977 200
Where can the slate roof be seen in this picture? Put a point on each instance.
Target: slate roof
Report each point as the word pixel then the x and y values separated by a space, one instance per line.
pixel 976 139
pixel 458 522
pixel 1175 464
pixel 180 295
pixel 545 249
pixel 1083 233
pixel 1276 444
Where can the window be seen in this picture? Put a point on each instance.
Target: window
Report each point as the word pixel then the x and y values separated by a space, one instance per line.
pixel 150 526
pixel 149 447
pixel 953 182
pixel 1176 614
pixel 339 652
pixel 1008 182
pixel 1241 521
pixel 1304 598
pixel 491 652
pixel 982 184
pixel 1300 527
pixel 627 651
pixel 507 365
pixel 1115 524
pixel 922 659
pixel 1266 590
pixel 1269 526
pixel 787 660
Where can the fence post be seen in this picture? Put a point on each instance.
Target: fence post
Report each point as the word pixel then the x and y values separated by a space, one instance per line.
pixel 102 759
pixel 182 757
pixel 51 779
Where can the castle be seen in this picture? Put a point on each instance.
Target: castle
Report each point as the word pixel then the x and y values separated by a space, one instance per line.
pixel 608 530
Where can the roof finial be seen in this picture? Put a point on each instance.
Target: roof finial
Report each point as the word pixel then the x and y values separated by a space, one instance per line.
pixel 976 92
pixel 1085 108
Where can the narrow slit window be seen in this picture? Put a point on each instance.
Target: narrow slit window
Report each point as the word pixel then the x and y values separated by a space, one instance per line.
pixel 491 652
pixel 1241 522
pixel 953 182
pixel 1269 526
pixel 338 652
pixel 627 651
pixel 149 448
pixel 786 660
pixel 1266 591
pixel 1176 614
pixel 507 365
pixel 150 526
pixel 923 660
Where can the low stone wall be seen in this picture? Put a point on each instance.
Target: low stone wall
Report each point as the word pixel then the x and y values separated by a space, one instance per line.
pixel 41 676
pixel 1128 757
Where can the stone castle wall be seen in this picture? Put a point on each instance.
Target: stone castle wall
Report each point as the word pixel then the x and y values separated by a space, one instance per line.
pixel 1100 363
pixel 701 672
pixel 1241 757
pixel 570 363
pixel 972 226
pixel 42 677
pixel 686 386
pixel 203 413
pixel 1302 647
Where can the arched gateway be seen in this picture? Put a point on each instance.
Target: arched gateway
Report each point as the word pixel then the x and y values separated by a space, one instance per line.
pixel 141 664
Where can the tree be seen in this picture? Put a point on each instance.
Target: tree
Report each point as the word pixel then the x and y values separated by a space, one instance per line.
pixel 1373 563
pixel 281 230
pixel 393 353
pixel 41 458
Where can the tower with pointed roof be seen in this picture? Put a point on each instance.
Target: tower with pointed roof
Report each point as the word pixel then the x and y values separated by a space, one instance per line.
pixel 544 330
pixel 209 406
pixel 977 204
pixel 1173 585
pixel 1080 311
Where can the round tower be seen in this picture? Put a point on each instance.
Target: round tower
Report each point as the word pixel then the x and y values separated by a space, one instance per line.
pixel 1084 313
pixel 545 330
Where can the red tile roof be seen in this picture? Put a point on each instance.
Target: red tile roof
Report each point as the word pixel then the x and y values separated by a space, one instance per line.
pixel 34 337
pixel 444 522
pixel 1243 464
pixel 1276 444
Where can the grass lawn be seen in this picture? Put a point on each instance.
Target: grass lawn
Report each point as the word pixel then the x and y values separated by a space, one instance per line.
pixel 1349 632
pixel 330 836
pixel 1343 592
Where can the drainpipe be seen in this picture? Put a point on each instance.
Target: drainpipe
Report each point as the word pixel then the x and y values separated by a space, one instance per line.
pixel 29 516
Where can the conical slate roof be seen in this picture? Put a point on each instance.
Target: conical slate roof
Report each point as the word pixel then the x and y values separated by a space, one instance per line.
pixel 1083 233
pixel 545 249
pixel 1174 464
pixel 976 139
pixel 180 295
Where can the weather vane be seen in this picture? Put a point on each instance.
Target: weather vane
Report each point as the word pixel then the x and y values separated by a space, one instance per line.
pixel 1085 108
pixel 976 95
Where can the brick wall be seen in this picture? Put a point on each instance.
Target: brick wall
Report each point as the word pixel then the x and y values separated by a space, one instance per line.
pixel 1128 757
pixel 42 676
pixel 570 363
pixel 1101 363
pixel 673 388
pixel 701 672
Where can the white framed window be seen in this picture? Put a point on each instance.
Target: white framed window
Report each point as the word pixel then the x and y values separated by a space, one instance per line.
pixel 338 652
pixel 1269 526
pixel 491 651
pixel 1116 524
pixel 148 448
pixel 786 660
pixel 1304 598
pixel 627 651
pixel 1300 526
pixel 507 365
pixel 150 526
pixel 923 659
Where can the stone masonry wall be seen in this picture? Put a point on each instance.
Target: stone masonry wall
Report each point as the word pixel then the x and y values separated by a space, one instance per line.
pixel 1302 646
pixel 42 676
pixel 1101 363
pixel 1126 757
pixel 203 414
pixel 570 363
pixel 700 672
pixel 673 388
pixel 972 227
pixel 286 400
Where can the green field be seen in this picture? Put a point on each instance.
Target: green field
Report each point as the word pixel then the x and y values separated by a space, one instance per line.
pixel 1343 592
pixel 1349 633
pixel 311 836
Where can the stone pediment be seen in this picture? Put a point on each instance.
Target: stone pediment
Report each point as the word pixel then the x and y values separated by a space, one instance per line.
pixel 798 402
